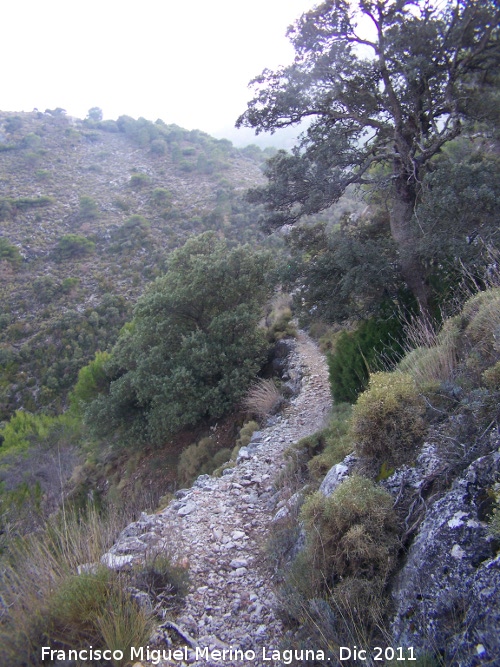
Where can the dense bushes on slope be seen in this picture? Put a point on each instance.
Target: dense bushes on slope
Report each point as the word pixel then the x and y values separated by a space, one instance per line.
pixel 193 345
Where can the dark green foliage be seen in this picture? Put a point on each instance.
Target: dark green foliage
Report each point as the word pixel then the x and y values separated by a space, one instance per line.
pixel 45 288
pixel 31 141
pixel 192 348
pixel 12 124
pixel 32 202
pixel 41 299
pixel 108 126
pixel 138 180
pixel 9 207
pixel 459 217
pixel 8 251
pixel 158 147
pixel 94 114
pixel 88 210
pixel 375 342
pixel 92 381
pixel 345 273
pixel 6 209
pixel 392 104
pixel 134 233
pixel 200 458
pixel 161 197
pixel 72 246
pixel 53 356
pixel 140 131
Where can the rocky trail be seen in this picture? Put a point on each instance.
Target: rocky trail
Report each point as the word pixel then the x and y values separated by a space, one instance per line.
pixel 220 527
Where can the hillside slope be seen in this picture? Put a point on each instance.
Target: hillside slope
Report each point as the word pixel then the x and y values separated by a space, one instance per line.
pixel 88 214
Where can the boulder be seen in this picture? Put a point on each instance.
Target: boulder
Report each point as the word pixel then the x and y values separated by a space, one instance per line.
pixel 447 595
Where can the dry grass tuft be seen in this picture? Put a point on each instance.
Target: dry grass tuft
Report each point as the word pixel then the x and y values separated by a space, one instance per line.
pixel 43 596
pixel 262 399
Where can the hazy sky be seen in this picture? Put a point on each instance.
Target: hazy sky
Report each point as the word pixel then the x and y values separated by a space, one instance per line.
pixel 184 61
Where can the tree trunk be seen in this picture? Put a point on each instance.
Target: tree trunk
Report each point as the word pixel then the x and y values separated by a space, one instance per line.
pixel 403 233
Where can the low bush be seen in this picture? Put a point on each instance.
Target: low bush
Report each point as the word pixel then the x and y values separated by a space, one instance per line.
pixel 279 318
pixel 338 442
pixel 9 252
pixel 480 342
pixel 246 432
pixel 92 380
pixel 72 246
pixel 138 180
pixel 388 419
pixel 336 585
pixel 495 517
pixel 161 576
pixel 352 533
pixel 433 355
pixel 200 458
pixel 43 597
pixel 491 377
pixel 88 209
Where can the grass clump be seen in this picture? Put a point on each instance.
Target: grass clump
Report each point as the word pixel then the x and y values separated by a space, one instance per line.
pixel 388 419
pixel 491 377
pixel 162 577
pixel 279 320
pixel 435 359
pixel 246 432
pixel 337 440
pixel 95 609
pixel 262 399
pixel 44 598
pixel 495 517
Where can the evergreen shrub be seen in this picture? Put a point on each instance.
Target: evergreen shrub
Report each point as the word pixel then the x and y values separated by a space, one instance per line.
pixel 388 419
pixel 359 352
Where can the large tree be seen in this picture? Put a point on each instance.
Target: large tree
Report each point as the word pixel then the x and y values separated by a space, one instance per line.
pixel 384 85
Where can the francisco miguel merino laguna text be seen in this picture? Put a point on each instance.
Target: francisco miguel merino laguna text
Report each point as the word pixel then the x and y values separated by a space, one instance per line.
pixel 155 655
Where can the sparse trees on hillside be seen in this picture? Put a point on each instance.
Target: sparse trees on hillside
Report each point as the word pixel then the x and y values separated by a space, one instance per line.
pixel 384 83
pixel 95 114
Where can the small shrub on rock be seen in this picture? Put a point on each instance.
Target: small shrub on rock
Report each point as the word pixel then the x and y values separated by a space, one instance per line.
pixel 353 533
pixel 388 419
pixel 338 442
pixel 246 432
pixel 431 364
pixel 491 377
pixel 352 542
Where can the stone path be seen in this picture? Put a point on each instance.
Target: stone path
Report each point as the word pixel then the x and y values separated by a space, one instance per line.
pixel 221 524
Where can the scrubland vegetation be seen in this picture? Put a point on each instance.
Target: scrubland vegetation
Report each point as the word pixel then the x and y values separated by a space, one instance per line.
pixel 141 303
